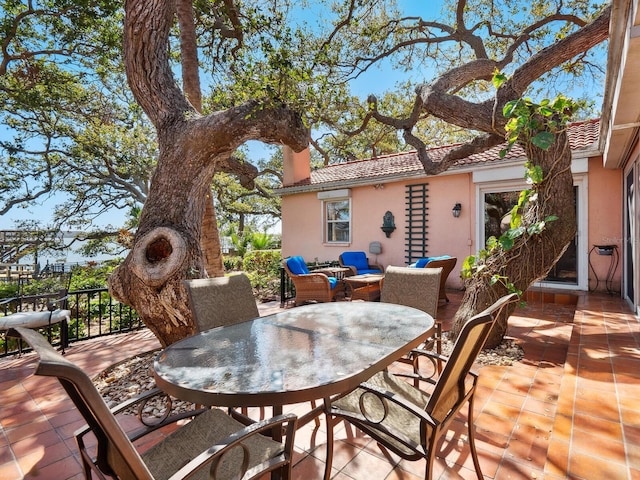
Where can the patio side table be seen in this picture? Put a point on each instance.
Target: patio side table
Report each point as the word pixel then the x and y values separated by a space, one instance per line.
pixel 365 287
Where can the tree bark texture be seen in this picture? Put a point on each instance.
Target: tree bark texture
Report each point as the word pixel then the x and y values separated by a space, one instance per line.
pixel 166 247
pixel 531 257
pixel 210 241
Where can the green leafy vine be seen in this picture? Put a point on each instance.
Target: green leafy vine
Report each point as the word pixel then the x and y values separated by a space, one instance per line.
pixel 532 123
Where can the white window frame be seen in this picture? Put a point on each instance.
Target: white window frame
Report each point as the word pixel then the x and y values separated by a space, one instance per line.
pixel 325 221
pixel 579 181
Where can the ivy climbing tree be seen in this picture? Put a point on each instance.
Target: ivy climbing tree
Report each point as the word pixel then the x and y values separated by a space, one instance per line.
pixel 535 239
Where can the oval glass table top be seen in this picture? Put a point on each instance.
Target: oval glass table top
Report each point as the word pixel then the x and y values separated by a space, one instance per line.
pixel 296 355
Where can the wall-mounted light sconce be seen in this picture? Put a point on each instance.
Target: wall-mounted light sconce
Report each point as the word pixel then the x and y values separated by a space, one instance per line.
pixel 379 186
pixel 457 208
pixel 388 224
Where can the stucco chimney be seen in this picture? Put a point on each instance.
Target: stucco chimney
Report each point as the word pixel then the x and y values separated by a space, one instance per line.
pixel 296 166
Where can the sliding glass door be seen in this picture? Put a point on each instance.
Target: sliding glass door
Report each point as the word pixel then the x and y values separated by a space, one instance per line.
pixel 496 202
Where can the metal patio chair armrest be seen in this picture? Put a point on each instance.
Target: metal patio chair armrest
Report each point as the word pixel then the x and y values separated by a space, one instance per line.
pixel 214 454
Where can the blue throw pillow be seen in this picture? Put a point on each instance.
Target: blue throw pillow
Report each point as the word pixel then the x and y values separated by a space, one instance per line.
pixel 423 261
pixel 441 257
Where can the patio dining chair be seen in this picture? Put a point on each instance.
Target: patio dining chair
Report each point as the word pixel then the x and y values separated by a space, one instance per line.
pixel 417 288
pixel 211 445
pixel 447 264
pixel 410 421
pixel 220 301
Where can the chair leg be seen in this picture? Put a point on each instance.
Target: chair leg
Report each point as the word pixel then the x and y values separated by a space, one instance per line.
pixel 472 440
pixel 317 419
pixel 329 427
pixel 430 458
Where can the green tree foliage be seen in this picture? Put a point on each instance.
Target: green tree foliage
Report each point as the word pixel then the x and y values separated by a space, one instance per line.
pixel 71 129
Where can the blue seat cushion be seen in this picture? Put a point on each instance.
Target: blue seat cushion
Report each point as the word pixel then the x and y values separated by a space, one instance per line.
pixel 369 270
pixel 297 265
pixel 423 261
pixel 333 282
pixel 355 259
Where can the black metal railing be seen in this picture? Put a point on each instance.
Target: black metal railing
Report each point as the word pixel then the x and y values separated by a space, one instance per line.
pixel 94 313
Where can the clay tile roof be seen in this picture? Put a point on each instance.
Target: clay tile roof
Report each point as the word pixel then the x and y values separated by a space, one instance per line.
pixel 582 135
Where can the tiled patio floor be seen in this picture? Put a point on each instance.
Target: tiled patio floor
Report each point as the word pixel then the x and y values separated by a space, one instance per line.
pixel 569 410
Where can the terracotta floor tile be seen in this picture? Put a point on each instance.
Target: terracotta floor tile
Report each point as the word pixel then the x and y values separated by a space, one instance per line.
pixel 562 428
pixel 632 436
pixel 610 450
pixel 605 429
pixel 366 465
pixel 557 457
pixel 529 445
pixel 498 425
pixel 502 411
pixel 400 474
pixel 596 405
pixel 540 407
pixel 582 465
pixel 511 399
pixel 510 470
pixel 560 395
pixel 10 470
pixel 541 423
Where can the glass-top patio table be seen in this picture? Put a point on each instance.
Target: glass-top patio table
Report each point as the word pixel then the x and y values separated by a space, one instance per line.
pixel 297 355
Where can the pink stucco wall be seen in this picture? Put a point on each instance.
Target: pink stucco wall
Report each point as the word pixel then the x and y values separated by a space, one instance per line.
pixel 605 220
pixel 302 221
pixel 302 225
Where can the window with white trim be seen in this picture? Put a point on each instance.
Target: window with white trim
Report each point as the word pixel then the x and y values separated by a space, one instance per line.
pixel 337 216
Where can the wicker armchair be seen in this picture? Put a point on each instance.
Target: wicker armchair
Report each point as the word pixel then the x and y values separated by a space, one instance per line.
pixel 211 442
pixel 358 263
pixel 311 286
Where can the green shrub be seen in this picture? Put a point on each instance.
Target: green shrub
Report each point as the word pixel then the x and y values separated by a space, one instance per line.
pixel 263 262
pixel 232 263
pixel 8 290
pixel 263 269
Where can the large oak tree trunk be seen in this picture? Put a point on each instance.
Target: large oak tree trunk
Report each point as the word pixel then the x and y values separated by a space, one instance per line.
pixel 167 247
pixel 210 240
pixel 531 258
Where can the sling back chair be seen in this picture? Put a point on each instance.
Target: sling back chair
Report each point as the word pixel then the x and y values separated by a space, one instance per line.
pixel 220 301
pixel 410 421
pixel 213 445
pixel 417 288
